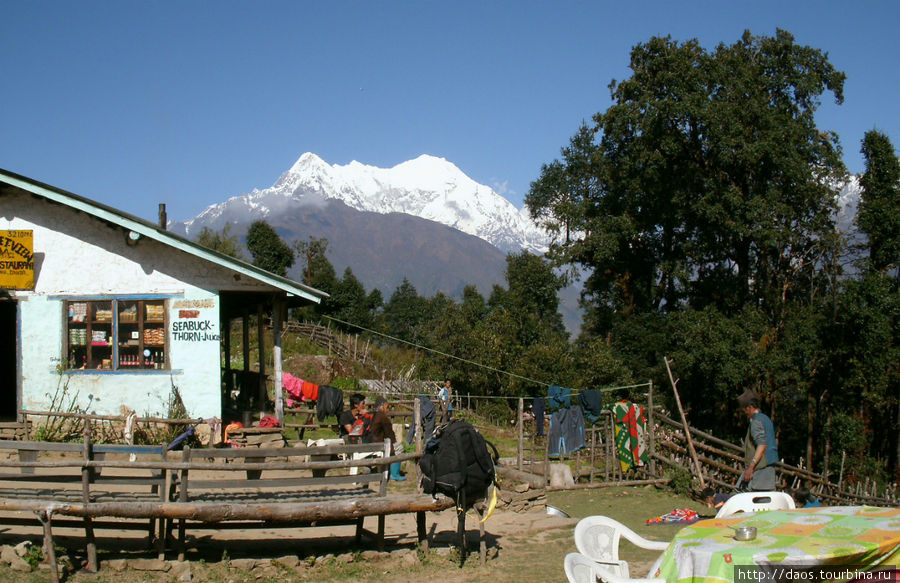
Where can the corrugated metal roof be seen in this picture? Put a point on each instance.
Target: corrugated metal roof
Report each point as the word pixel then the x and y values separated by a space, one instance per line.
pixel 153 231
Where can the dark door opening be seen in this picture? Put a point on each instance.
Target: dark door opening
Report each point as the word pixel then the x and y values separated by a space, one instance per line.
pixel 9 349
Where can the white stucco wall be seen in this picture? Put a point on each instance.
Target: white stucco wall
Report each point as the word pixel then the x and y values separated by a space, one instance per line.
pixel 78 256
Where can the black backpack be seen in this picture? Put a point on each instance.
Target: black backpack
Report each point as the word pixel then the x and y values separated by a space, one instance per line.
pixel 457 463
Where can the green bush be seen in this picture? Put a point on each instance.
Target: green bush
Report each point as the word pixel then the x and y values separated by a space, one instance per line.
pixel 681 481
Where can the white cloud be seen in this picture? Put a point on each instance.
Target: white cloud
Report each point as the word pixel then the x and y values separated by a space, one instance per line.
pixel 502 188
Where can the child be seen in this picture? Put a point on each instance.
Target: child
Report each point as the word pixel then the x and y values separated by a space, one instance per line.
pixel 712 499
pixel 803 498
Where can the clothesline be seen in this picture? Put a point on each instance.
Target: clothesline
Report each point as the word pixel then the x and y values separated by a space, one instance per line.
pixel 573 393
pixel 473 363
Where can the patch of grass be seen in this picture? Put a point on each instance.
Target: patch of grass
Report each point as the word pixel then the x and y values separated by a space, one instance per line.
pixel 632 506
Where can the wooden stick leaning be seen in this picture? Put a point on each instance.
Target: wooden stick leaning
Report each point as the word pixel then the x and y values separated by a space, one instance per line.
pixel 687 429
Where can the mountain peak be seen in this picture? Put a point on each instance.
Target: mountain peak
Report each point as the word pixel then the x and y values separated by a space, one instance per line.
pixel 429 187
pixel 307 160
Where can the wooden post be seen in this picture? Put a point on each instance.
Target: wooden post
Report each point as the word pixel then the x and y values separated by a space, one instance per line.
pixel 86 497
pixel 547 461
pixel 482 538
pixel 593 431
pixel 277 310
pixel 650 429
pixel 163 526
pixel 610 449
pixel 183 497
pixel 841 475
pixel 49 550
pixel 422 532
pixel 261 345
pixel 520 429
pixel 245 336
pixel 417 424
pixel 687 429
pixel 226 350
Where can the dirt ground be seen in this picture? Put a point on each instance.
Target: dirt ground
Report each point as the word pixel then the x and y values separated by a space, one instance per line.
pixel 313 554
pixel 522 547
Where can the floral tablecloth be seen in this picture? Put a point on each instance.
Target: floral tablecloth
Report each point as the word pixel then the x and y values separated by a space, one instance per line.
pixel 858 536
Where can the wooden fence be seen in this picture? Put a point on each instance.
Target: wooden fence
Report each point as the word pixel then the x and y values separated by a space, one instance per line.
pixel 340 345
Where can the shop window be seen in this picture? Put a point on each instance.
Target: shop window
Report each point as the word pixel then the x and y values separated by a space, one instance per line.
pixel 122 335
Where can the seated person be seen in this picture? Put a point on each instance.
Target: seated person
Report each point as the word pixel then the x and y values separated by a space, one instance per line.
pixel 381 430
pixel 803 498
pixel 351 422
pixel 713 499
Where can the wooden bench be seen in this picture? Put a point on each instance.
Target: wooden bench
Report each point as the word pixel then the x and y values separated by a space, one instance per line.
pixel 238 488
pixel 293 487
pixel 81 479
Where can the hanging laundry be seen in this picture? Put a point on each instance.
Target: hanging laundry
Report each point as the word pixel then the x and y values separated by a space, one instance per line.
pixel 538 408
pixel 558 398
pixel 566 433
pixel 309 391
pixel 293 389
pixel 428 417
pixel 330 402
pixel 591 402
pixel 631 434
pixel 298 390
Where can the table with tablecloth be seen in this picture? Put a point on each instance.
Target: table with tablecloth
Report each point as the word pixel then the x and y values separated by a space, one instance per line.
pixel 858 536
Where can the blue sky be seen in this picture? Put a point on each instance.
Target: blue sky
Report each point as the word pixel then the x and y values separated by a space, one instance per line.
pixel 188 103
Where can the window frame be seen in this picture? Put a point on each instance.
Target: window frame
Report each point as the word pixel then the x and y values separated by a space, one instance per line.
pixel 119 346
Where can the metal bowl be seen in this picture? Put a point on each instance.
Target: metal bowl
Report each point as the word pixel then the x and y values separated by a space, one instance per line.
pixel 554 511
pixel 745 533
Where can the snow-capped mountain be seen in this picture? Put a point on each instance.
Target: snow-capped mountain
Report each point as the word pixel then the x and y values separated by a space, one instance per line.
pixel 847 204
pixel 427 187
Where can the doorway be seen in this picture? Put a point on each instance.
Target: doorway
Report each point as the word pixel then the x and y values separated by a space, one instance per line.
pixel 9 350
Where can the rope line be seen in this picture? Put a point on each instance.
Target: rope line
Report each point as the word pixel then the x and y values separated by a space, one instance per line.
pixel 473 363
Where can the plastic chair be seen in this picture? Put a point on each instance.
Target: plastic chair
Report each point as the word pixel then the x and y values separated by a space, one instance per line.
pixel 581 569
pixel 597 538
pixel 755 502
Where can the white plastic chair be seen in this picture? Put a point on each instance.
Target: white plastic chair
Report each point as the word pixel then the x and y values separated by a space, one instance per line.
pixel 581 569
pixel 597 538
pixel 755 502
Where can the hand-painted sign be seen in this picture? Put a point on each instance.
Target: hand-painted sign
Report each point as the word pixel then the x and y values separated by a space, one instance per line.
pixel 194 321
pixel 16 259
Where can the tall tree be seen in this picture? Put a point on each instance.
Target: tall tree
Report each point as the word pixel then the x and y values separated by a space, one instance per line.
pixel 403 314
pixel 705 181
pixel 879 205
pixel 349 303
pixel 267 248
pixel 222 241
pixel 317 269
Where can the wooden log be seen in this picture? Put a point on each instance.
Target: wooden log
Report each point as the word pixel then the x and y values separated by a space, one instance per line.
pixel 224 511
pixel 702 434
pixel 705 460
pixel 86 416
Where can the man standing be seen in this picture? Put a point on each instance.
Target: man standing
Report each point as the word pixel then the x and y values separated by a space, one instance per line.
pixel 446 397
pixel 760 446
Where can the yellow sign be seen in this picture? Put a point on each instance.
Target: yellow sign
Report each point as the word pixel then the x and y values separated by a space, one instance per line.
pixel 16 259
